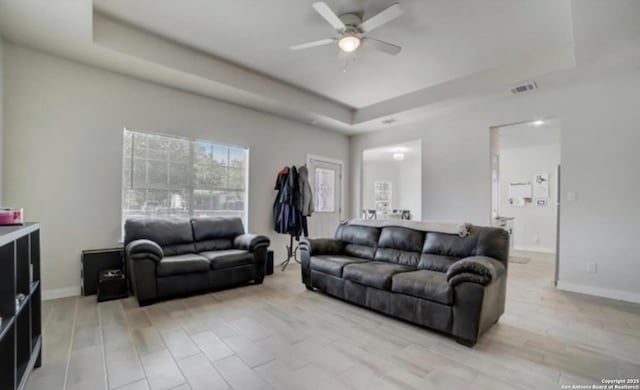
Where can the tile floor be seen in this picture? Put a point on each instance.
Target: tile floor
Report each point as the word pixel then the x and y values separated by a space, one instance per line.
pixel 280 336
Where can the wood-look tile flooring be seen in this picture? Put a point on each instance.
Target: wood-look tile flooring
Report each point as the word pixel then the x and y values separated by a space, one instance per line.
pixel 280 336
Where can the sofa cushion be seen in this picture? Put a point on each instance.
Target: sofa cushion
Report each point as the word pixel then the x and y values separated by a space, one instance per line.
pixel 430 285
pixel 374 273
pixel 436 262
pixel 228 258
pixel 211 228
pixel 179 249
pixel 174 235
pixel 361 251
pixel 182 264
pixel 333 264
pixel 215 244
pixel 162 231
pixel 401 238
pixel 450 244
pixel 360 241
pixel 358 235
pixel 396 256
pixel 493 242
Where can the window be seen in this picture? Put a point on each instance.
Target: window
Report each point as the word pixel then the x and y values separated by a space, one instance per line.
pixel 325 190
pixel 174 176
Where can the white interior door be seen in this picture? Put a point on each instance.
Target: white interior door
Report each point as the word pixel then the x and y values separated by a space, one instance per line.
pixel 325 178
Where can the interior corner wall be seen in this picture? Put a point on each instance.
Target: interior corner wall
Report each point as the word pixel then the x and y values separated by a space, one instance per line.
pixel 600 136
pixel 64 126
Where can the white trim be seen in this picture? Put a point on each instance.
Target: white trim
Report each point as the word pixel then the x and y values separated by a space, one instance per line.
pixel 56 293
pixel 537 249
pixel 18 231
pixel 599 292
pixel 342 178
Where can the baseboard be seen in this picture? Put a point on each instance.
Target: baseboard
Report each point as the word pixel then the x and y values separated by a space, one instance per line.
pixel 599 292
pixel 537 249
pixel 56 293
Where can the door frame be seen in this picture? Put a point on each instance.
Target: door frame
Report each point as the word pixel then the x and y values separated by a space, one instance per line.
pixel 557 201
pixel 342 181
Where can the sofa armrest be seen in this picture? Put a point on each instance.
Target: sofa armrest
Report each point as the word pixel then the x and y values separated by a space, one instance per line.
pixel 251 242
pixel 144 249
pixel 317 246
pixel 321 246
pixel 476 269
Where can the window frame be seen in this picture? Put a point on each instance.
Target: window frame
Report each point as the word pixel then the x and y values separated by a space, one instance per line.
pixel 127 184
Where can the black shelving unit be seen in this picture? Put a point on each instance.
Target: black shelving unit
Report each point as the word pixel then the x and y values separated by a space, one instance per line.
pixel 21 329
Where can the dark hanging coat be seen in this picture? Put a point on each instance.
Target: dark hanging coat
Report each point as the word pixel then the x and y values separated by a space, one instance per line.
pixel 305 196
pixel 288 219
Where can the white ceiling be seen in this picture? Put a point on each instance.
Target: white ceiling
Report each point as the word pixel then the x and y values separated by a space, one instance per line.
pixel 441 40
pixel 411 150
pixel 455 52
pixel 530 134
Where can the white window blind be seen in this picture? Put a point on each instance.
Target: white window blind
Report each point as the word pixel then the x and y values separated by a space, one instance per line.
pixel 175 176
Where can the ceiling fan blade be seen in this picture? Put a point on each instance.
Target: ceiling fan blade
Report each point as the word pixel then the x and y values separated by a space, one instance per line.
pixel 385 16
pixel 323 9
pixel 385 47
pixel 309 45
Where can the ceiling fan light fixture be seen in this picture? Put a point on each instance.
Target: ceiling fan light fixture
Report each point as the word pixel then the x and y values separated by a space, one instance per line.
pixel 349 43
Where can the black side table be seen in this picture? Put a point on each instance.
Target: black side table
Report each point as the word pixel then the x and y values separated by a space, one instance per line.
pixel 112 284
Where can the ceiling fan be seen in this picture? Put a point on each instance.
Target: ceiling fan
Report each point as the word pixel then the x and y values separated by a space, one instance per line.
pixel 352 29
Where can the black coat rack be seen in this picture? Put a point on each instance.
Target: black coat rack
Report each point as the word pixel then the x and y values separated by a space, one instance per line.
pixel 288 218
pixel 292 253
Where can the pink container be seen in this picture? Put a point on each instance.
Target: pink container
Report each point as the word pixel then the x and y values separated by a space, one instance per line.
pixel 11 216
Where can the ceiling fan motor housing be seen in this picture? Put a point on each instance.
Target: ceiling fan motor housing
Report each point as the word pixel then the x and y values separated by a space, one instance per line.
pixel 352 21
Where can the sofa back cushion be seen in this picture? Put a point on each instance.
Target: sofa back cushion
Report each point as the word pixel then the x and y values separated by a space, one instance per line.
pixel 424 250
pixel 215 233
pixel 450 244
pixel 217 244
pixel 441 249
pixel 400 245
pixel 174 235
pixel 438 263
pixel 493 242
pixel 361 241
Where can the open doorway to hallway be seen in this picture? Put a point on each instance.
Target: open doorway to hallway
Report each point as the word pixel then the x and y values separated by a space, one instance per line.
pixel 525 172
pixel 392 181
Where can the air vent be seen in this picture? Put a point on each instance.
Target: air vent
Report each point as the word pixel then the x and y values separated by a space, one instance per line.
pixel 389 121
pixel 524 88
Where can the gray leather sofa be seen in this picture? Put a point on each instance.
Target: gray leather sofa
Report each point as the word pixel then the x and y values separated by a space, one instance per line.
pixel 441 281
pixel 175 256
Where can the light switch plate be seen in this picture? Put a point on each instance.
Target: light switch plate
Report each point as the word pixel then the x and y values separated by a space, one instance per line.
pixel 572 195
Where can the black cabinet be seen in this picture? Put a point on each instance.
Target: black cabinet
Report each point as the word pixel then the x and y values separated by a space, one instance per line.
pixel 20 304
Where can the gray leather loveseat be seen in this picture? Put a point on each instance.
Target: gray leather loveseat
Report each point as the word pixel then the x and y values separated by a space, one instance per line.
pixel 452 284
pixel 175 256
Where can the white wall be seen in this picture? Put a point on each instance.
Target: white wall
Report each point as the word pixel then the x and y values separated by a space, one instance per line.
pixel 63 150
pixel 410 195
pixel 534 226
pixel 600 140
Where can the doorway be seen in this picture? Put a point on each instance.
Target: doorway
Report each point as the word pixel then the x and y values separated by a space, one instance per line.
pixel 525 171
pixel 325 178
pixel 392 181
